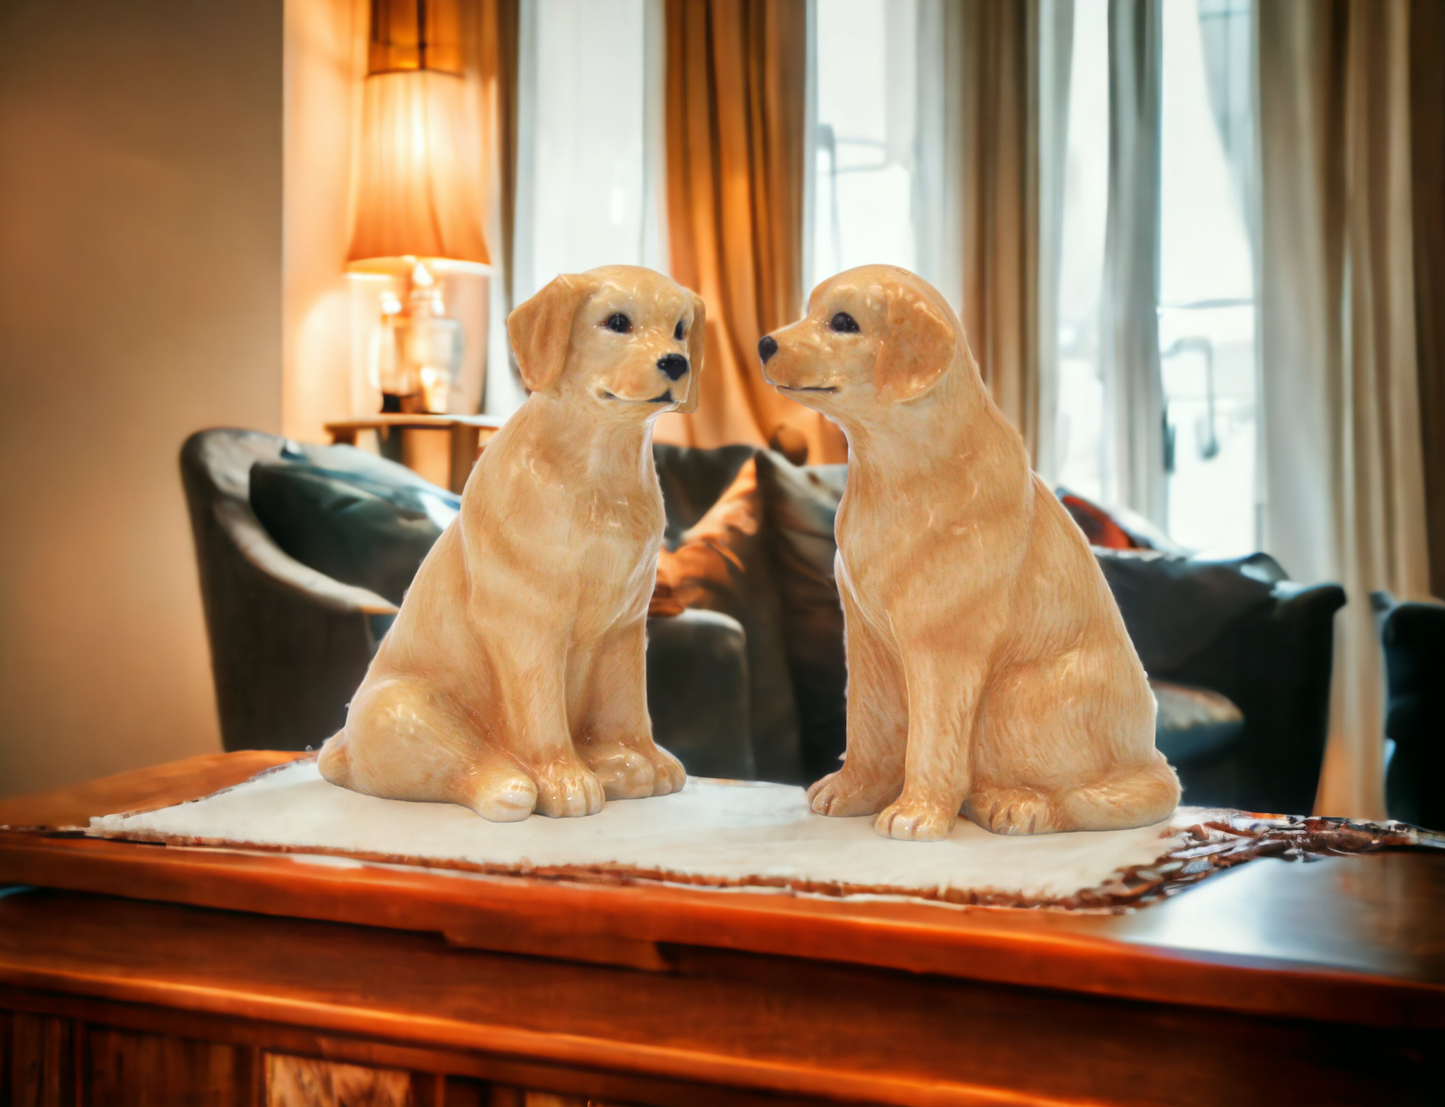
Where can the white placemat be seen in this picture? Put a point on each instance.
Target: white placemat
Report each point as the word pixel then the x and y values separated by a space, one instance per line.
pixel 713 831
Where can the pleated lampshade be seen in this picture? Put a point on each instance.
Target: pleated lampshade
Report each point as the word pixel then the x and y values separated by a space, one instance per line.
pixel 418 184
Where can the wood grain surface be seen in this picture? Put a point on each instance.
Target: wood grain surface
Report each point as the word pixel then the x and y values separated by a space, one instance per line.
pixel 1353 939
pixel 140 789
pixel 779 1025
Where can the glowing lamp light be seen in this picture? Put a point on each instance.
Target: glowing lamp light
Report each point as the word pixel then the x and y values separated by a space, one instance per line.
pixel 417 193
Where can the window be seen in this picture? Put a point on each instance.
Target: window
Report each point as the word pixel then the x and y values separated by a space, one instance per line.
pixel 1206 306
pixel 1206 293
pixel 589 180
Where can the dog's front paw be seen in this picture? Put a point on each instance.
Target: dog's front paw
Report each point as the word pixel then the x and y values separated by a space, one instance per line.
pixel 568 788
pixel 915 820
pixel 622 770
pixel 1011 810
pixel 844 794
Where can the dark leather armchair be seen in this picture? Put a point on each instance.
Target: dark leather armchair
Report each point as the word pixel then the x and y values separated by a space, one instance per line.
pixel 289 645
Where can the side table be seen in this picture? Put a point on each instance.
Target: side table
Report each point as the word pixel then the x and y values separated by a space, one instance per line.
pixel 468 433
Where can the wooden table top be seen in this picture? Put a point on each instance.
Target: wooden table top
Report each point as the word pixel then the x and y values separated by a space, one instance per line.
pixel 414 421
pixel 1350 939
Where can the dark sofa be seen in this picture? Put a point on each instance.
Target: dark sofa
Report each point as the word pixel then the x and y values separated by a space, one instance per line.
pixel 749 680
pixel 1240 629
pixel 1412 636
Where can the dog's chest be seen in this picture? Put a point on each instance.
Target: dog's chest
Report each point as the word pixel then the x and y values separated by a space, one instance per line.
pixel 889 547
pixel 614 545
pixel 873 540
pixel 626 517
pixel 866 556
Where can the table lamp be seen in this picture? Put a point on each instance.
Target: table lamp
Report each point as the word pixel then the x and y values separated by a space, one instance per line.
pixel 418 209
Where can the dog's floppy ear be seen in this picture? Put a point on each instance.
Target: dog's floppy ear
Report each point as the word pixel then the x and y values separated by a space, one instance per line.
pixel 918 348
pixel 696 341
pixel 541 329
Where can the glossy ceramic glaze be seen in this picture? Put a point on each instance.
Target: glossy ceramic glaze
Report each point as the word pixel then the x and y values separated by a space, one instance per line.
pixel 514 678
pixel 989 670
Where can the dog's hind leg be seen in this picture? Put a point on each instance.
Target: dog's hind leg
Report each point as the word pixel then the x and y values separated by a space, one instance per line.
pixel 1020 810
pixel 1141 796
pixel 614 731
pixel 872 772
pixel 404 740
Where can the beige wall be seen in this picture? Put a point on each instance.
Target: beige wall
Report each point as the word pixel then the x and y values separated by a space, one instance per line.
pixel 325 64
pixel 140 299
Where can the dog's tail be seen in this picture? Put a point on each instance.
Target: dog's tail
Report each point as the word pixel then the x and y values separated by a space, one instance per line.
pixel 1142 796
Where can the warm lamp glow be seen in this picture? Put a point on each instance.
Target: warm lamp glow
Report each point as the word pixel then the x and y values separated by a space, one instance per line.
pixel 417 187
pixel 418 195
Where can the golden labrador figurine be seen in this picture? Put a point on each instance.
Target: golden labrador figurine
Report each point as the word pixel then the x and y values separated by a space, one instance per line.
pixel 988 667
pixel 514 677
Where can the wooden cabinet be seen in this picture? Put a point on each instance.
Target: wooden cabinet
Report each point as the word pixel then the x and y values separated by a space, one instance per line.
pixel 146 974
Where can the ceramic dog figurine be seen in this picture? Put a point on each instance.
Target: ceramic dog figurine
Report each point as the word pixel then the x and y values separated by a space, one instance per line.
pixel 514 677
pixel 988 666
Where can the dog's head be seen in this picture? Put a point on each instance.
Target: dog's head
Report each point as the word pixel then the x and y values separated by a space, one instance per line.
pixel 624 337
pixel 875 334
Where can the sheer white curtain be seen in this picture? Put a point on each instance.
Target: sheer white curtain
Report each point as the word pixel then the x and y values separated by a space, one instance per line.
pixel 867 141
pixel 1078 426
pixel 1129 324
pixel 588 149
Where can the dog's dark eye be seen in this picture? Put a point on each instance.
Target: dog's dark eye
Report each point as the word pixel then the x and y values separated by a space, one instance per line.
pixel 677 332
pixel 844 322
pixel 619 323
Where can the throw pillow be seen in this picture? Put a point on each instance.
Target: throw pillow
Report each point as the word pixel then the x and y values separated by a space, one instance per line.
pixel 1116 529
pixel 354 528
pixel 802 503
pixel 720 565
pixel 1175 607
pixel 692 480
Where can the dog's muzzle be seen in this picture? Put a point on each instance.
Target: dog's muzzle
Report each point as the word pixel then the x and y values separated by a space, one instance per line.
pixel 674 366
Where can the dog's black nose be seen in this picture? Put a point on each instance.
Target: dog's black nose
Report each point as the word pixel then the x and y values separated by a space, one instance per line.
pixel 767 347
pixel 673 365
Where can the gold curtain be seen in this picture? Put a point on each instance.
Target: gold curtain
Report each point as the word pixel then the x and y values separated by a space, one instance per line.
pixel 996 228
pixel 736 84
pixel 998 57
